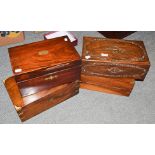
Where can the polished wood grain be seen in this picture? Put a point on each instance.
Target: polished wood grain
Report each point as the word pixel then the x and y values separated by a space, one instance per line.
pixel 45 73
pixel 118 86
pixel 29 106
pixel 13 91
pixel 48 99
pixel 34 85
pixel 42 54
pixel 114 58
pixel 47 70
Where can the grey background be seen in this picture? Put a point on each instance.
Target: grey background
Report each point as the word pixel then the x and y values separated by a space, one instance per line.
pixel 89 106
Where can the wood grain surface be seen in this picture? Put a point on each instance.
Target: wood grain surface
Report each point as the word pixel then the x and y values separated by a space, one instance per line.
pixel 114 58
pixel 48 99
pixel 13 91
pixel 29 106
pixel 118 86
pixel 42 54
pixel 34 85
pixel 45 73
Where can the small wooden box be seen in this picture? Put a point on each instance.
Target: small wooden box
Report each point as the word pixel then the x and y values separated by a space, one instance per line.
pixel 45 73
pixel 112 65
pixel 31 105
pixel 10 37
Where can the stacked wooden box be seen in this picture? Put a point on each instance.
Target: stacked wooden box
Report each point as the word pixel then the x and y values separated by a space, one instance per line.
pixel 113 65
pixel 48 72
pixel 45 74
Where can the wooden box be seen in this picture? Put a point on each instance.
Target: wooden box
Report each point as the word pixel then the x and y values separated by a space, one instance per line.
pixel 114 58
pixel 31 105
pixel 10 37
pixel 112 65
pixel 45 73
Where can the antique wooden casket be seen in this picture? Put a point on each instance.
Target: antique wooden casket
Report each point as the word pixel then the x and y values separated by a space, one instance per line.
pixel 112 65
pixel 45 74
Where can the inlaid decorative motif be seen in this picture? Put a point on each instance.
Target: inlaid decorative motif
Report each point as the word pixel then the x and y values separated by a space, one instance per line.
pixel 43 52
pixel 115 70
pixel 114 50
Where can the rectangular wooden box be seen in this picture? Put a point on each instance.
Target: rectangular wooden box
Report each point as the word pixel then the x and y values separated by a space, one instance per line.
pixel 31 105
pixel 114 58
pixel 40 70
pixel 10 37
pixel 112 65
pixel 44 64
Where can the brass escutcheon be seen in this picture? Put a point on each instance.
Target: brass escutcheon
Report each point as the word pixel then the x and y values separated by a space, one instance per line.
pixel 43 52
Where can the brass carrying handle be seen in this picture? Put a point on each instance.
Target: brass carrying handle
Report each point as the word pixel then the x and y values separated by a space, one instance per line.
pixel 51 77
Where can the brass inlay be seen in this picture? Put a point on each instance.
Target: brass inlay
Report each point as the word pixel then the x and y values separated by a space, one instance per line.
pixel 18 108
pixel 114 50
pixel 43 52
pixel 114 70
pixel 51 77
pixel 21 113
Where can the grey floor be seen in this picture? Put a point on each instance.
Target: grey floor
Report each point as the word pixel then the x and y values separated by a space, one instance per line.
pixel 89 106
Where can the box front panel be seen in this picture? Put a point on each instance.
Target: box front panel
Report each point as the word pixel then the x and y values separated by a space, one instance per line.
pixel 115 70
pixel 34 85
pixel 54 97
pixel 46 70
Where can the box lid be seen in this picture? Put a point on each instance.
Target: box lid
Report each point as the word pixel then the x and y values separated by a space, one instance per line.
pixel 113 50
pixel 42 54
